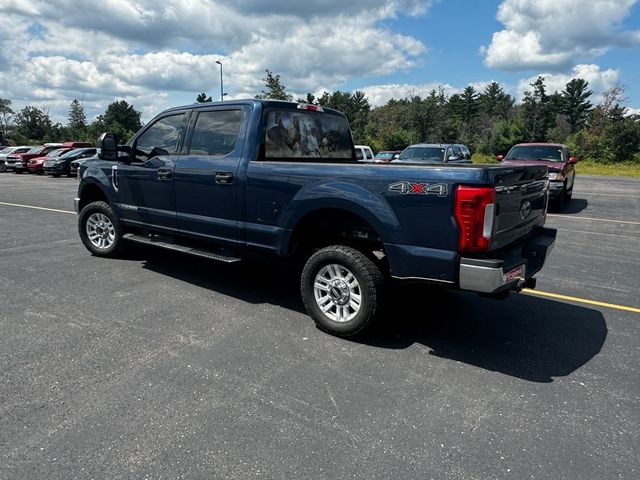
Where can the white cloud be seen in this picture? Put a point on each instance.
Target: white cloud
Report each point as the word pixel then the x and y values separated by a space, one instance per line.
pixel 599 80
pixel 556 34
pixel 53 52
pixel 381 94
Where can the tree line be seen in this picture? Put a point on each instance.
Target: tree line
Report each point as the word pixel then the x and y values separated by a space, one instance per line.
pixel 489 121
pixel 32 125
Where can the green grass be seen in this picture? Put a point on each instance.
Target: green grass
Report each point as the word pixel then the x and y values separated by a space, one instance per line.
pixel 623 169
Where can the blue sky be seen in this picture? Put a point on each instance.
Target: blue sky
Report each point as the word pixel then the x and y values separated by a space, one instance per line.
pixel 161 53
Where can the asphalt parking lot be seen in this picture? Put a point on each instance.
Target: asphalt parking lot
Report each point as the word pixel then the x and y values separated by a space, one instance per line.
pixel 158 365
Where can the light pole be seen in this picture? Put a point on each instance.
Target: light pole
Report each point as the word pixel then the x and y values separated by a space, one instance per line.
pixel 221 87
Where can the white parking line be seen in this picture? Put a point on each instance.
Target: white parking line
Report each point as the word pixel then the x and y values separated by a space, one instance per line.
pixel 602 194
pixel 626 222
pixel 37 208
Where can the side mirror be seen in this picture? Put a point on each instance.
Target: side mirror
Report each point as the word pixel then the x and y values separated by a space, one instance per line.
pixel 452 158
pixel 108 145
pixel 499 158
pixel 573 160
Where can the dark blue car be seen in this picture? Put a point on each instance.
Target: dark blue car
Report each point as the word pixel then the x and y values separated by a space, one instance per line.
pixel 62 164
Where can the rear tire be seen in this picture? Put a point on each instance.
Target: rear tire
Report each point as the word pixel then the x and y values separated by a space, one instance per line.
pixel 100 230
pixel 342 290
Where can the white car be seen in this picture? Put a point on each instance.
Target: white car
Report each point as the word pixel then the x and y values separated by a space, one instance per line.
pixel 8 150
pixel 364 153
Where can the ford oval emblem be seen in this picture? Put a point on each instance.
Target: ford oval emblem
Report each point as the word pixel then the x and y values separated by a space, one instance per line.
pixel 525 209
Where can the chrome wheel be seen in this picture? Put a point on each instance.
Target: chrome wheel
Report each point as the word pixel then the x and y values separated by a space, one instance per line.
pixel 100 231
pixel 337 293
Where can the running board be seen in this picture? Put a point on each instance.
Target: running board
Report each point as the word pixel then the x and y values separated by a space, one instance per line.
pixel 157 242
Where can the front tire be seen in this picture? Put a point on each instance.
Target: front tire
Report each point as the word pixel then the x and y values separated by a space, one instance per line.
pixel 558 202
pixel 100 230
pixel 567 193
pixel 342 290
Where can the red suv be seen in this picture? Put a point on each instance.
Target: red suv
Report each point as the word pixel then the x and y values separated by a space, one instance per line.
pixel 35 165
pixel 18 161
pixel 556 156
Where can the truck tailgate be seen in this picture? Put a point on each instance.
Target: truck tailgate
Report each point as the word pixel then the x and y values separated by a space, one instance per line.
pixel 520 204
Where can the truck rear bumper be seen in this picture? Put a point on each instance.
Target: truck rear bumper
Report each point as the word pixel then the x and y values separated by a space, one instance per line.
pixel 512 270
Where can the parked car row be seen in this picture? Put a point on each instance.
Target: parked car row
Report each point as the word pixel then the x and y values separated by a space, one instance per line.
pixel 555 156
pixel 418 153
pixel 58 159
pixel 53 159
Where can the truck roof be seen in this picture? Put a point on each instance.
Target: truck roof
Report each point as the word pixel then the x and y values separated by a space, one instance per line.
pixel 253 102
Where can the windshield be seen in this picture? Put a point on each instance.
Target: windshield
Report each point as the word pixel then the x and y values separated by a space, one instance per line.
pixel 35 150
pixel 544 153
pixel 72 153
pixel 302 134
pixel 56 153
pixel 422 154
pixel 7 150
pixel 385 155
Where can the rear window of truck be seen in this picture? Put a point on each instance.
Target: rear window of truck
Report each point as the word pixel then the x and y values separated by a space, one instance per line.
pixel 306 135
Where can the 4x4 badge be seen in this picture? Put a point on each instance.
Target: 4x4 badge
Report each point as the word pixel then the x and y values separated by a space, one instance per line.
pixel 418 188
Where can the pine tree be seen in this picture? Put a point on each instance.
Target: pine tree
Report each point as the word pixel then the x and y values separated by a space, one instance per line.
pixel 203 98
pixel 495 102
pixel 77 119
pixel 576 104
pixel 275 90
pixel 538 116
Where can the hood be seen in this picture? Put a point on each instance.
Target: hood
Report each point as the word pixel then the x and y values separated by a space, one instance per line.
pixel 552 166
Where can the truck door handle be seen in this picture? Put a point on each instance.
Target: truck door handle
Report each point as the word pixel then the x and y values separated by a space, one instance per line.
pixel 164 174
pixel 224 178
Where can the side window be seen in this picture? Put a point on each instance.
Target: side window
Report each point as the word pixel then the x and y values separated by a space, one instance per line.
pixel 457 152
pixel 216 132
pixel 448 154
pixel 161 138
pixel 369 153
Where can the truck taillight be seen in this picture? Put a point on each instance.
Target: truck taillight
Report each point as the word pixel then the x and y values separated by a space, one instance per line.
pixel 474 212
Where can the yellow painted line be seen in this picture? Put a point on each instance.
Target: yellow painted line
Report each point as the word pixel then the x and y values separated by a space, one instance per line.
pixel 582 300
pixel 37 208
pixel 594 219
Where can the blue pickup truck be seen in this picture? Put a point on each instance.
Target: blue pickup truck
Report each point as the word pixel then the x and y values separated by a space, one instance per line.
pixel 227 180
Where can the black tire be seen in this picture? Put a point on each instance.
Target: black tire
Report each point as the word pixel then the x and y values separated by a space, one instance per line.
pixel 558 202
pixel 370 288
pixel 111 231
pixel 567 193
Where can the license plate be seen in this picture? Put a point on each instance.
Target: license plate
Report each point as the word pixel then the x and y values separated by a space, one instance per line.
pixel 515 273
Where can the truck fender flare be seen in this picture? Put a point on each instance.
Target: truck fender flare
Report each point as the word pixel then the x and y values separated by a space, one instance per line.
pixel 99 180
pixel 345 196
